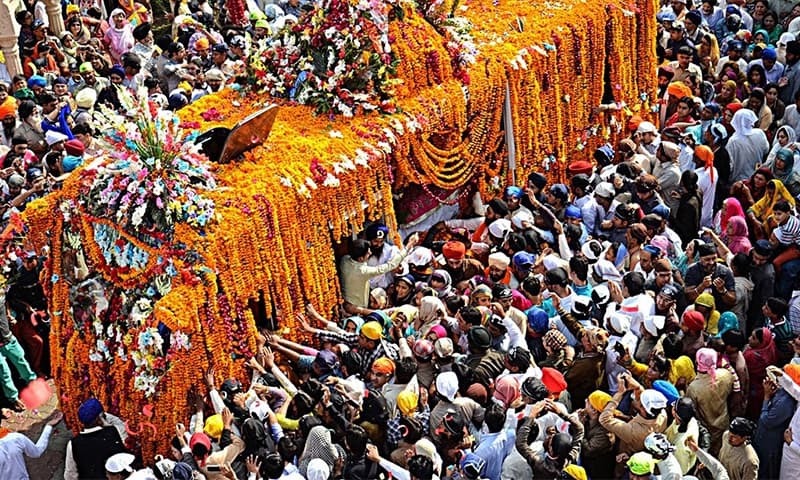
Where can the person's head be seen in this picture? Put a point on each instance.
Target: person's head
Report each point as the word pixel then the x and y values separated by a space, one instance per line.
pixel 118 18
pixel 708 257
pixel 782 210
pixel 685 56
pixel 355 441
pixel 741 430
pixel 420 467
pixel 119 466
pixel 381 372
pixel 769 21
pixel 756 100
pixel 775 308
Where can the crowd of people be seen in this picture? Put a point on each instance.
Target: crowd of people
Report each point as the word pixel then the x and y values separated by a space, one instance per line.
pixel 642 320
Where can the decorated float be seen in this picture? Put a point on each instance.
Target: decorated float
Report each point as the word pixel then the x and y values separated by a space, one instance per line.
pixel 163 263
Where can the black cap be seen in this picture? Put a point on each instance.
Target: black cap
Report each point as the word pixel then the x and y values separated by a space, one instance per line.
pixel 742 427
pixel 556 276
pixel 220 47
pixel 479 337
pixel 519 357
pixel 453 422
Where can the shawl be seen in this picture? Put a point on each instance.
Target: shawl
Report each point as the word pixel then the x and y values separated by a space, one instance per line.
pixel 763 208
pixel 318 446
pixel 738 241
pixel 758 358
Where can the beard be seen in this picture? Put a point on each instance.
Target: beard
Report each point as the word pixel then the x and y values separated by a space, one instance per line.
pixel 376 251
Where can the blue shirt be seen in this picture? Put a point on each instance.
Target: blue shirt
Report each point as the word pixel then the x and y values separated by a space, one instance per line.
pixel 14 447
pixel 494 448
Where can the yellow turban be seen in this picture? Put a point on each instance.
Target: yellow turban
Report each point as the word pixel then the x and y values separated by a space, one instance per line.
pixel 599 399
pixel 407 402
pixel 214 426
pixel 372 330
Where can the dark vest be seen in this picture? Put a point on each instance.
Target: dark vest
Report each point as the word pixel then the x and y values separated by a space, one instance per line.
pixel 91 450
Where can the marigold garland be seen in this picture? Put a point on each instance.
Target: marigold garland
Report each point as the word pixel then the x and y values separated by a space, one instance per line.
pixel 317 180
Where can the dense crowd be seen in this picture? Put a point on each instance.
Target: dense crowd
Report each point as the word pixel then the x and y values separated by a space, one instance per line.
pixel 641 321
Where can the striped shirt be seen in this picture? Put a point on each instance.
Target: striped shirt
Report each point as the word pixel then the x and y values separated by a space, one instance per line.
pixel 789 232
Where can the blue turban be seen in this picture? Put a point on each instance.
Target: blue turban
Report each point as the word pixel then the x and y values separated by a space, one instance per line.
pixel 538 320
pixel 573 212
pixel 117 70
pixel 652 250
pixel 668 390
pixel 71 162
pixel 377 230
pixel 182 471
pixel 89 411
pixel 662 211
pixel 472 465
pixel 37 81
pixel 513 191
pixel 727 321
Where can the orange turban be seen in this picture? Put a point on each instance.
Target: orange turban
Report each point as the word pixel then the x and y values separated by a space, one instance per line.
pixel 201 44
pixel 8 108
pixel 679 90
pixel 633 123
pixel 383 365
pixel 707 156
pixel 793 371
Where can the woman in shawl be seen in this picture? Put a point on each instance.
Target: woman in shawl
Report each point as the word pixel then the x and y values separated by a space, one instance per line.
pixel 318 446
pixel 756 78
pixel 706 305
pixel 683 427
pixel 784 138
pixel 760 214
pixel 747 146
pixel 759 354
pixel 752 190
pixel 730 208
pixel 782 169
pixel 708 52
pixel 771 27
pixel 431 312
pixel 119 37
pixel 684 116
pixel 442 283
pixel 738 236
pixel 403 291
pixel 727 91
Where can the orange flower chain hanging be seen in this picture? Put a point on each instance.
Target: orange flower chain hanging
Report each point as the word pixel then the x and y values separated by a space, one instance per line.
pixel 145 298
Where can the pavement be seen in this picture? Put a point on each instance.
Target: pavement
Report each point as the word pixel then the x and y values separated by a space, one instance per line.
pixel 50 466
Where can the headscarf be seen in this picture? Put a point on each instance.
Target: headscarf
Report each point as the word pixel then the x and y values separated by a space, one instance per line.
pixel 705 299
pixel 384 365
pixel 318 470
pixel 787 175
pixel 738 240
pixel 742 123
pixel 439 330
pixel 680 90
pixel 318 446
pixel 706 359
pixel 731 208
pixel 766 348
pixel 793 371
pixel 447 290
pixel 407 402
pixel 357 321
pixel 727 321
pixel 507 390
pixel 408 311
pixel 763 208
pixel 431 312
pixel 790 134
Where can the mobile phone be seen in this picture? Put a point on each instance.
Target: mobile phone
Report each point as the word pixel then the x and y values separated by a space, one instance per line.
pixel 213 468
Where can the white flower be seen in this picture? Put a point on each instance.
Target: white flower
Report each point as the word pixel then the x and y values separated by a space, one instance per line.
pixel 286 182
pixel 331 181
pixel 138 215
pixel 335 134
pixel 362 159
pixel 311 183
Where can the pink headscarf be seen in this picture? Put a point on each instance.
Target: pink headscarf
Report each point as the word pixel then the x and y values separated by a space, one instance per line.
pixel 731 208
pixel 506 390
pixel 438 330
pixel 707 363
pixel 738 241
pixel 662 243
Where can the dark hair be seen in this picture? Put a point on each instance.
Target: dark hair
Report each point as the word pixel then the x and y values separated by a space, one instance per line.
pixel 358 248
pixel 689 181
pixel 454 303
pixel 634 282
pixel 308 422
pixel 46 98
pixel 673 347
pixel 471 315
pixel 356 440
pixel 661 364
pixel 778 306
pixel 760 69
pixel 82 129
pixel 302 404
pixel 770 86
pixel 782 206
pixel 26 109
pixel 734 338
pixel 272 465
pixel 516 241
pixel 287 448
pixel 741 264
pixel 532 286
pixel 579 265
pixel 163 42
pixel 420 467
pixel 405 369
pixel 151 82
pixel 495 417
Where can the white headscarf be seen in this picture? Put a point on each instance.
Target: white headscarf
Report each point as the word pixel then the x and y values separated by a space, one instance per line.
pixel 743 122
pixel 318 470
